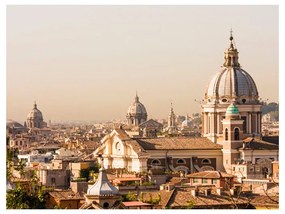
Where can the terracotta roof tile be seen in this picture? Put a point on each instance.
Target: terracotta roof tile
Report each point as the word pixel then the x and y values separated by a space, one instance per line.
pixel 179 143
pixel 182 197
pixel 210 174
pixel 257 144
pixel 122 134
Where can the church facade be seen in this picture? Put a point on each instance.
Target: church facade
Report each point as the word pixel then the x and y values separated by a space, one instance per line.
pixel 231 131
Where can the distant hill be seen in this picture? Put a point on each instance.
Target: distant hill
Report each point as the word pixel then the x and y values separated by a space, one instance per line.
pixel 273 109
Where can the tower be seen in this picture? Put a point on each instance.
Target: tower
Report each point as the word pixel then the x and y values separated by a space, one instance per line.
pixel 171 122
pixel 231 84
pixel 232 136
pixel 171 117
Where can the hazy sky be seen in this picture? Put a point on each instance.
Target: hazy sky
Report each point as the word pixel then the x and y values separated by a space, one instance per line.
pixel 87 62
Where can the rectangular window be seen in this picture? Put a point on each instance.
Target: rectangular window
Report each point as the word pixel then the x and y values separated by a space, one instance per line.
pixel 204 180
pixel 214 181
pixel 195 180
pixel 234 169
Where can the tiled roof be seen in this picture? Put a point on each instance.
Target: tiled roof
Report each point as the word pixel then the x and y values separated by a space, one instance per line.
pixel 122 134
pixel 210 174
pixel 182 197
pixel 137 148
pixel 264 200
pixel 65 195
pixel 257 144
pixel 165 197
pixel 135 204
pixel 271 139
pixel 179 143
pixel 150 123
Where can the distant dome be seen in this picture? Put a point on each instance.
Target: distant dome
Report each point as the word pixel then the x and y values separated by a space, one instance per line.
pixel 35 113
pixel 13 124
pixel 232 83
pixel 35 118
pixel 136 108
pixel 136 113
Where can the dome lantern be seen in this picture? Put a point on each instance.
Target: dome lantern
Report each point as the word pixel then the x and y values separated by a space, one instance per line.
pixel 231 55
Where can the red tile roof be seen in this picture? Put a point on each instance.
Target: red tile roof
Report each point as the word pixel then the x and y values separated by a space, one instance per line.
pixel 178 143
pixel 210 174
pixel 135 204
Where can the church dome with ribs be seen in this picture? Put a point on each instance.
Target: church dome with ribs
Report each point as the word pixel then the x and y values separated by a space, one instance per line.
pixel 232 83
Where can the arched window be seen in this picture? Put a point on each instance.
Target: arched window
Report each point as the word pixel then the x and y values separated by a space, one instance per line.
pixel 206 161
pixel 236 131
pixel 181 161
pixel 226 134
pixel 155 162
pixel 118 146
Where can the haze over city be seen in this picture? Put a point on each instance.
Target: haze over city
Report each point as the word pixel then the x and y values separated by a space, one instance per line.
pixel 87 62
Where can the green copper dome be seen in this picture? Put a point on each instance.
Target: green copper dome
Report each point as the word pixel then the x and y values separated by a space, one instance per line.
pixel 232 109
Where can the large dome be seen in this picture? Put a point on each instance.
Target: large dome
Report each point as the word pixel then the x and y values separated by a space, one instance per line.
pixel 232 83
pixel 35 114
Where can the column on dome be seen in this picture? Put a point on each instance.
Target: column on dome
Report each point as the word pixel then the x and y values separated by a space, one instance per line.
pixel 215 127
pixel 258 123
pixel 218 123
pixel 249 125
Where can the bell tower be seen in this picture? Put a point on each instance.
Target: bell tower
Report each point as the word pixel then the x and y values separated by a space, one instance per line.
pixel 232 136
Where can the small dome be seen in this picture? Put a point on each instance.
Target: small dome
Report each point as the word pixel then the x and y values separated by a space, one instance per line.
pixel 102 186
pixel 136 108
pixel 232 110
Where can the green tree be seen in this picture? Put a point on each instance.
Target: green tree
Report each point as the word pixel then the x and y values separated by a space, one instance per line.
pixel 131 196
pixel 267 108
pixel 85 173
pixel 20 198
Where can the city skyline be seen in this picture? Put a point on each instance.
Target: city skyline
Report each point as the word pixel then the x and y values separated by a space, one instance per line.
pixel 88 62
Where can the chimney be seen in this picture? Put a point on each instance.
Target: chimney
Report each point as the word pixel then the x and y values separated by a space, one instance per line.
pixel 162 187
pixel 233 191
pixel 219 191
pixel 194 192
